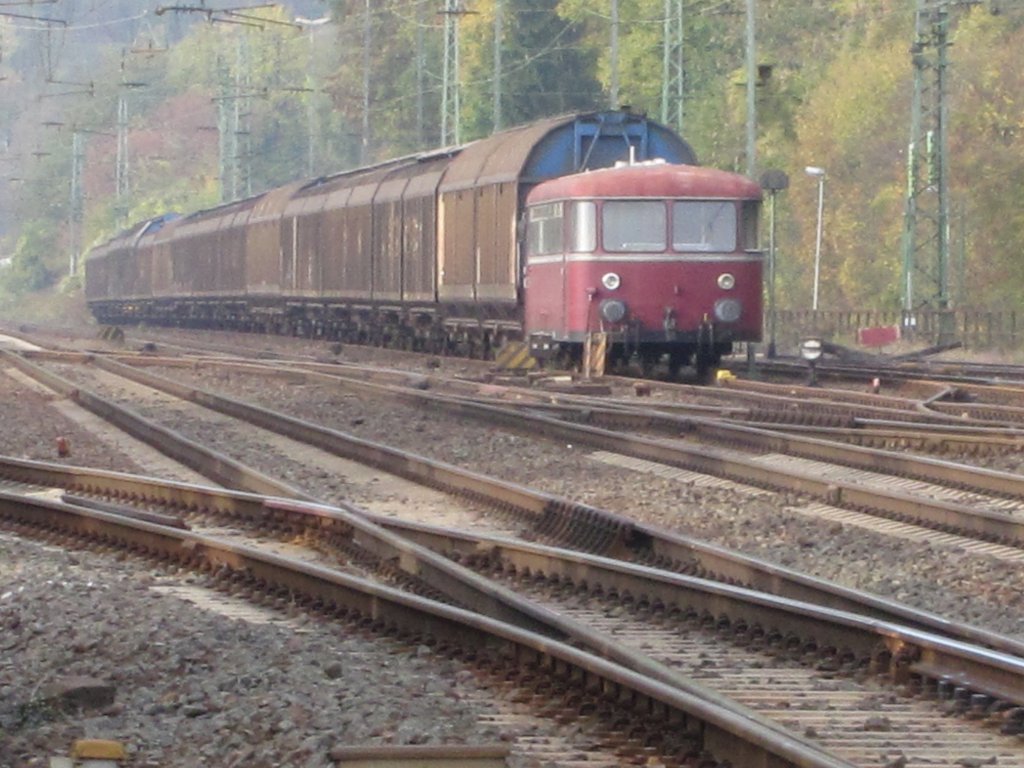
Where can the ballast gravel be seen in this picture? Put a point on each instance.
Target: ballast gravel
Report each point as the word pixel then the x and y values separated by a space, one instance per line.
pixel 194 687
pixel 202 699
pixel 963 586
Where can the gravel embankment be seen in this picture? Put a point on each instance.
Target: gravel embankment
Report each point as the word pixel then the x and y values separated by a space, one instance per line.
pixel 200 680
pixel 193 687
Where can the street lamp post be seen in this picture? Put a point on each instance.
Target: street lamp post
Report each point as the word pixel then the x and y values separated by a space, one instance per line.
pixel 818 173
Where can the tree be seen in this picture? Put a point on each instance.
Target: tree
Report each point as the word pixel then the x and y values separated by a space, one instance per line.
pixel 28 270
pixel 547 66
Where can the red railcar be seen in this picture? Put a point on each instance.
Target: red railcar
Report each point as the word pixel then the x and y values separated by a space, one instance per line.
pixel 662 258
pixel 429 251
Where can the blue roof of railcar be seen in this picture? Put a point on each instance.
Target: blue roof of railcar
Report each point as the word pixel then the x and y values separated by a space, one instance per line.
pixel 558 146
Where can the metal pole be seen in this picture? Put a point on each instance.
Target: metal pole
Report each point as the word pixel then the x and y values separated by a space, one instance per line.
pixel 224 129
pixel 457 89
pixel 364 150
pixel 498 34
pixel 666 60
pixel 450 96
pixel 236 124
pixel 122 147
pixel 751 90
pixel 76 201
pixel 771 274
pixel 673 74
pixel 446 71
pixel 311 116
pixel 613 55
pixel 773 182
pixel 421 68
pixel 817 244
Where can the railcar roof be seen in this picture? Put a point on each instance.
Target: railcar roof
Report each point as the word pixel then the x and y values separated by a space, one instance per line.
pixel 133 233
pixel 541 150
pixel 649 180
pixel 561 145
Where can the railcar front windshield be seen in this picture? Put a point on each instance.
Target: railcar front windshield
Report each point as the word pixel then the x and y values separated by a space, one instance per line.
pixel 634 225
pixel 699 225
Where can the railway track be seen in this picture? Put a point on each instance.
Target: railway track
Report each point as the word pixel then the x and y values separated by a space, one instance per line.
pixel 954 498
pixel 546 517
pixel 794 667
pixel 984 706
pixel 628 714
pixel 960 372
pixel 912 417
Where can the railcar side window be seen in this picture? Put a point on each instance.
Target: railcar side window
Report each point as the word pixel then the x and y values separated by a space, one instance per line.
pixel 750 228
pixel 544 230
pixel 704 225
pixel 630 225
pixel 584 226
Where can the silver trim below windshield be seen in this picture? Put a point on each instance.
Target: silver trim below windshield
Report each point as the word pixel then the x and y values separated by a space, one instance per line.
pixel 650 258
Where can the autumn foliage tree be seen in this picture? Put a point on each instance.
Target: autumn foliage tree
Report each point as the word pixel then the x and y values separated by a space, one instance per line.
pixel 834 90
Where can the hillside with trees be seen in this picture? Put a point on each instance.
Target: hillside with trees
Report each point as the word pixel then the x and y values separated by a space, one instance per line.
pixel 126 112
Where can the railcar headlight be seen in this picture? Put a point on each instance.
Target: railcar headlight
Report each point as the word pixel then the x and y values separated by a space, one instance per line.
pixel 613 310
pixel 611 281
pixel 726 281
pixel 728 310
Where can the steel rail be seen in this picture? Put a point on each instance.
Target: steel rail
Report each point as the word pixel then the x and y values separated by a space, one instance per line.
pixel 627 539
pixel 902 654
pixel 999 675
pixel 212 464
pixel 929 512
pixel 426 552
pixel 1003 484
pixel 982 374
pixel 563 520
pixel 728 732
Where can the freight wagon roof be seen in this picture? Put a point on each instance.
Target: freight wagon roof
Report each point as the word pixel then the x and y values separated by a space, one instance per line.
pixel 562 145
pixel 272 204
pixel 213 217
pixel 649 179
pixel 126 238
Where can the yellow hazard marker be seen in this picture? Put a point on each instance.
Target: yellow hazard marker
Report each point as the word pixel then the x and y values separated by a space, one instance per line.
pixel 97 749
pixel 595 355
pixel 724 377
pixel 515 356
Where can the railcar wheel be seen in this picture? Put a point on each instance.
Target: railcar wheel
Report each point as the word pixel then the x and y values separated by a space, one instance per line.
pixel 707 366
pixel 677 360
pixel 617 358
pixel 649 360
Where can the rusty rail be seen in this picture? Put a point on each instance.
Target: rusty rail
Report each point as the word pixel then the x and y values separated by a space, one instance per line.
pixel 725 732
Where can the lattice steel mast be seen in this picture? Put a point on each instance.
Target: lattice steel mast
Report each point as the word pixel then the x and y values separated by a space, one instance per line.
pixel 673 81
pixel 450 90
pixel 925 279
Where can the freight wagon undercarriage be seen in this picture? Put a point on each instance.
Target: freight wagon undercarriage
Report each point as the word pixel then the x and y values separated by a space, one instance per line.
pixel 476 330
